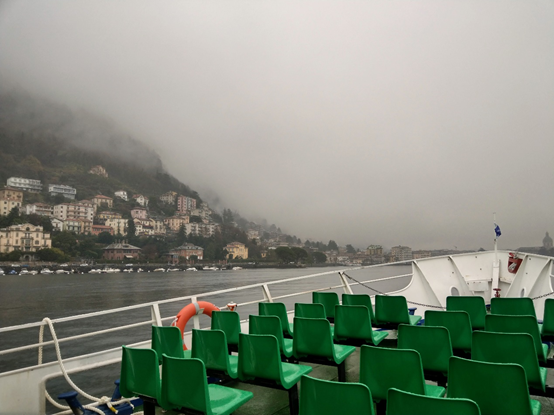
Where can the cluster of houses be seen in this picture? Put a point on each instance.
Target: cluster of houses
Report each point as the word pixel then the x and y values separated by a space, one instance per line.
pixel 95 216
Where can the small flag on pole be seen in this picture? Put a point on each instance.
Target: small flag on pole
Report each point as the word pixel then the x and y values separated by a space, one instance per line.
pixel 497 230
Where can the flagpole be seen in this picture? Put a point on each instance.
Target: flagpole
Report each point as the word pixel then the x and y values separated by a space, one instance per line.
pixel 495 240
pixel 496 266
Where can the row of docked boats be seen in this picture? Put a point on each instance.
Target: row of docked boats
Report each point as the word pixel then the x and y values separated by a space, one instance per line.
pixel 105 270
pixel 43 271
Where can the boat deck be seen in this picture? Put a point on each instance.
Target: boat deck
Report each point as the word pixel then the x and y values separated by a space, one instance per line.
pixel 267 401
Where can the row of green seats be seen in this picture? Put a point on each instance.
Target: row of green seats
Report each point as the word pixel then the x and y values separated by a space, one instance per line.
pixel 496 388
pixel 324 397
pixel 389 310
pixel 183 384
pixel 394 377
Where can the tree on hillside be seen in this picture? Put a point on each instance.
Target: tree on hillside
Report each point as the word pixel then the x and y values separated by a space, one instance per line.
pixel 350 249
pixel 181 236
pixel 227 216
pixel 332 246
pixel 319 257
pixel 216 217
pixel 285 254
pixel 131 228
pixel 65 241
pixel 52 255
pixel 105 238
pixel 300 254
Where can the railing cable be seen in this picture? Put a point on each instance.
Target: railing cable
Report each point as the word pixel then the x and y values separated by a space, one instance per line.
pixel 382 293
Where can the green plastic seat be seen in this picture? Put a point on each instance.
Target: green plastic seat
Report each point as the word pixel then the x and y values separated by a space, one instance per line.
pixel 279 310
pixel 140 376
pixel 329 299
pixel 271 325
pixel 458 325
pixel 260 364
pixel 383 368
pixel 325 397
pixel 433 345
pixel 311 310
pixel 513 306
pixel 498 388
pixel 392 310
pixel 229 322
pixel 359 299
pixel 517 348
pixel 473 305
pixel 518 324
pixel 210 346
pixel 185 387
pixel 168 340
pixel 402 403
pixel 313 342
pixel 353 326
pixel 547 328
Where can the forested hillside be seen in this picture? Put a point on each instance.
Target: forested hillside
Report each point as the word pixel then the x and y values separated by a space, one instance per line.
pixel 41 140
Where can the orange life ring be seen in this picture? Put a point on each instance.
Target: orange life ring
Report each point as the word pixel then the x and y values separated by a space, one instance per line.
pixel 183 316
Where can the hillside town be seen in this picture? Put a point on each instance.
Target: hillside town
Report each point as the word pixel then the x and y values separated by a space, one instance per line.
pixel 118 219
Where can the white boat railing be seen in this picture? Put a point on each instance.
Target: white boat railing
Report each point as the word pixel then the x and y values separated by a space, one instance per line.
pixel 13 381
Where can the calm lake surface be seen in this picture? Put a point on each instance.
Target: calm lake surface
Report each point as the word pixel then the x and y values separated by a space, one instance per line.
pixel 30 298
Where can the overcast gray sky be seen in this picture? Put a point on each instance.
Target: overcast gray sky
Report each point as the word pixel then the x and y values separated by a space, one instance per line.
pixel 368 122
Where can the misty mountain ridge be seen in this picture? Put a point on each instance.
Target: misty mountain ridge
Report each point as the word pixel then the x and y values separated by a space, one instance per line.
pixel 50 142
pixel 43 140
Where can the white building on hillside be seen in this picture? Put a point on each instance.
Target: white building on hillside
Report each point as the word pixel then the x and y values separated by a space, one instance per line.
pixel 30 185
pixel 122 194
pixel 66 211
pixel 60 189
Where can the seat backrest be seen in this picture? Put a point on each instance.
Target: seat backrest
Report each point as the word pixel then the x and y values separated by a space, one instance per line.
pixel 329 300
pixel 516 324
pixel 401 403
pixel 309 310
pixel 548 318
pixel 519 348
pixel 473 305
pixel 312 336
pixel 276 309
pixel 167 340
pixel 259 357
pixel 210 346
pixel 352 322
pixel 516 306
pixel 391 309
pixel 457 323
pixel 383 368
pixel 267 325
pixel 359 299
pixel 325 397
pixel 184 384
pixel 432 343
pixel 229 322
pixel 140 373
pixel 498 388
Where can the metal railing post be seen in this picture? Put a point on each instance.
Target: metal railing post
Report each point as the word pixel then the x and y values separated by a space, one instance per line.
pixel 195 318
pixel 267 294
pixel 156 316
pixel 345 284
